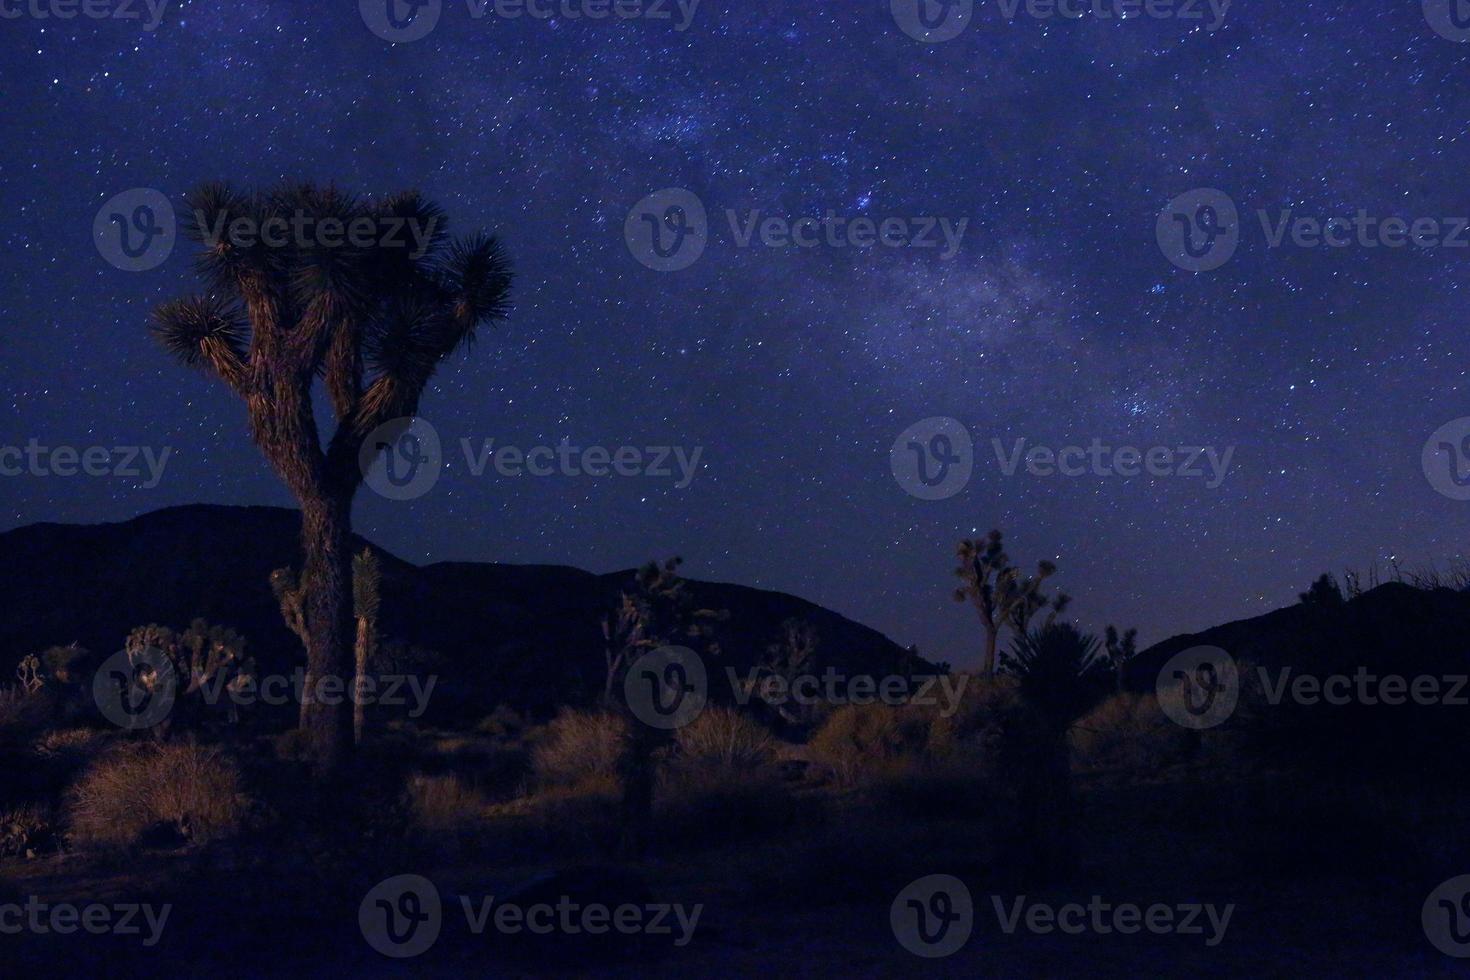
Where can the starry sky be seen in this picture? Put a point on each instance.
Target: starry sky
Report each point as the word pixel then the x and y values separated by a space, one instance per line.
pixel 1059 320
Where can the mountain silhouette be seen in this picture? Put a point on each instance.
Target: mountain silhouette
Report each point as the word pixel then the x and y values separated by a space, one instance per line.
pixel 525 635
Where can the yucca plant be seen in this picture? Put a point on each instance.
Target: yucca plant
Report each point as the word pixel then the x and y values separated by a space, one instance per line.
pixel 1061 671
pixel 371 317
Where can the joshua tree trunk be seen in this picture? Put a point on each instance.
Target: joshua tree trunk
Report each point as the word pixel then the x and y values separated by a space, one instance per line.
pixel 638 774
pixel 366 635
pixel 327 577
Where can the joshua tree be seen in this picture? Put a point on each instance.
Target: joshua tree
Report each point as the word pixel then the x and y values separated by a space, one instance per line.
pixel 789 657
pixel 659 611
pixel 1002 596
pixel 28 674
pixel 367 579
pixel 208 663
pixel 371 315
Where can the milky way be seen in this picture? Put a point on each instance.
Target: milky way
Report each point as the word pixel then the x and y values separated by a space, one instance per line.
pixel 1059 320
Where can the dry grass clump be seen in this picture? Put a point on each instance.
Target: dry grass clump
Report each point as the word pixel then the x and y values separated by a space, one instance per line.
pixel 444 803
pixel 1130 733
pixel 23 710
pixel 723 739
pixel 579 748
pixel 187 791
pixel 857 740
pixel 71 744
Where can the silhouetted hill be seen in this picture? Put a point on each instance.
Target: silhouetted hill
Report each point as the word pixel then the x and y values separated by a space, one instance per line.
pixel 1394 626
pixel 527 635
pixel 1395 631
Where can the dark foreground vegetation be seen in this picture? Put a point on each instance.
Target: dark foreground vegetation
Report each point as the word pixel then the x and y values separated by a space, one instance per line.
pixel 1057 777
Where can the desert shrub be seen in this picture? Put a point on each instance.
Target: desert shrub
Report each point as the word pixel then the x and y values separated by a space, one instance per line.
pixel 27 831
pixel 1130 733
pixel 71 743
pixel 23 710
pixel 444 803
pixel 503 722
pixel 184 790
pixel 723 739
pixel 856 739
pixel 988 711
pixel 579 747
pixel 720 783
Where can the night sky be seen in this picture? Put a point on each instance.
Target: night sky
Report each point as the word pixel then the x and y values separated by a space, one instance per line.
pixel 1059 320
